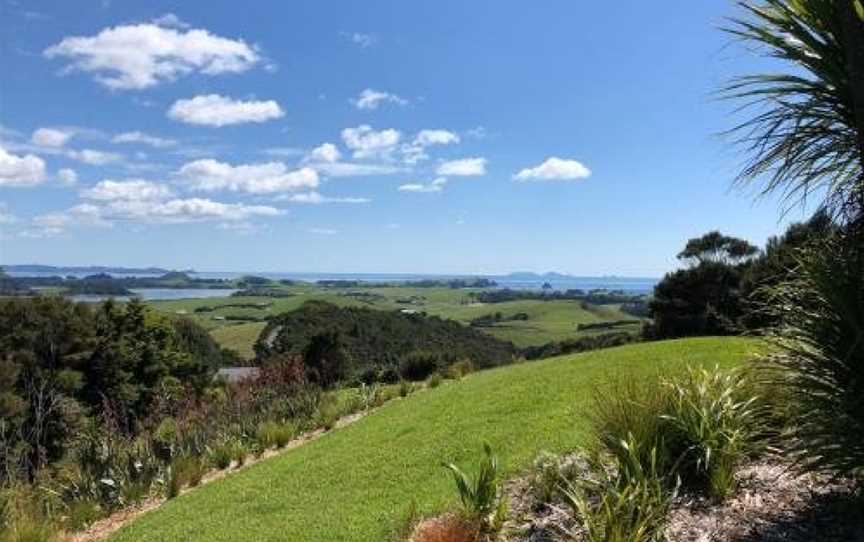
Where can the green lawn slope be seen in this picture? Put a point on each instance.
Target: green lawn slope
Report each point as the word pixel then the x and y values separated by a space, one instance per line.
pixel 355 483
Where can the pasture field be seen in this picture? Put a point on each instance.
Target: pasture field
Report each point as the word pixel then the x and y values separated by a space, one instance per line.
pixel 356 483
pixel 235 322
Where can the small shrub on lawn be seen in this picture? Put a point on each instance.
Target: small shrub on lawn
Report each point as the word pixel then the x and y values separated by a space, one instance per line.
pixel 435 380
pixel 459 369
pixel 405 388
pixel 481 497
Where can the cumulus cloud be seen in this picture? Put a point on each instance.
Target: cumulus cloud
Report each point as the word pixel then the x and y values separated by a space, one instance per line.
pixel 465 167
pixel 326 152
pixel 27 170
pixel 216 110
pixel 316 199
pixel 93 157
pixel 50 137
pixel 130 189
pixel 435 186
pixel 325 159
pixel 368 143
pixel 145 139
pixel 415 151
pixel 264 178
pixel 138 56
pixel 67 177
pixel 371 99
pixel 554 169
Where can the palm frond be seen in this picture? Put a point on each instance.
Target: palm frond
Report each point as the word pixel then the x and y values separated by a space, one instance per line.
pixel 802 136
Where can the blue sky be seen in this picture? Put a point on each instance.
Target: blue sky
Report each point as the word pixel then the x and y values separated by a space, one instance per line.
pixel 376 136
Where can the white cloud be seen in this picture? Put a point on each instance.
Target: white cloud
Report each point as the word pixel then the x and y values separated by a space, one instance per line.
pixel 67 177
pixel 149 211
pixel 316 199
pixel 94 158
pixel 170 20
pixel 325 160
pixel 216 110
pixel 50 137
pixel 143 55
pixel 464 167
pixel 435 137
pixel 27 170
pixel 326 152
pixel 371 99
pixel 555 169
pixel 369 143
pixel 349 169
pixel 435 186
pixel 140 137
pixel 264 178
pixel 416 150
pixel 130 189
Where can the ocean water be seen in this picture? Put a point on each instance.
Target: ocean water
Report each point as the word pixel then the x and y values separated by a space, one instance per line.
pixel 638 285
pixel 159 294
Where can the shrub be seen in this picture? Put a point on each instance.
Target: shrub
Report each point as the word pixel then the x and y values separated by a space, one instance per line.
pixel 716 419
pixel 328 413
pixel 625 503
pixel 818 356
pixel 549 473
pixel 480 496
pixel 698 426
pixel 239 451
pixel 221 455
pixel 418 366
pixel 459 369
pixel 185 470
pixel 435 380
pixel 405 388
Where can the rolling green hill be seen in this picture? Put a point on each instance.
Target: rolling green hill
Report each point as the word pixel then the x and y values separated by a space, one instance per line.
pixel 237 321
pixel 353 484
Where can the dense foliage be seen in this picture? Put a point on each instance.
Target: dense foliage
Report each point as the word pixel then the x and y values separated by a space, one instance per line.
pixel 64 362
pixel 703 298
pixel 378 341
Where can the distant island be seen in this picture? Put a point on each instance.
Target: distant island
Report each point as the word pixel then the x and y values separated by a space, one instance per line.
pixel 90 270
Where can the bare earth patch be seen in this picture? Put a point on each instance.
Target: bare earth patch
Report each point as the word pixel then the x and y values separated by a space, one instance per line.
pixel 774 504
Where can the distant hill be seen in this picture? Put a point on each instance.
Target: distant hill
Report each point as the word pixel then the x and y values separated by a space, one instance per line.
pixel 90 270
pixel 380 339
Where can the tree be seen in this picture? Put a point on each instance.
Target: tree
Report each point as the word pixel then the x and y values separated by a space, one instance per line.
pixel 719 248
pixel 806 134
pixel 705 297
pixel 327 362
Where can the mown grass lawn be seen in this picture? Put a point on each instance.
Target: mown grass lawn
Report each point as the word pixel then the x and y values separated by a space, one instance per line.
pixel 355 483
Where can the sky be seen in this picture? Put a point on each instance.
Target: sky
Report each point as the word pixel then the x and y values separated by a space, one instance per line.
pixel 379 136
